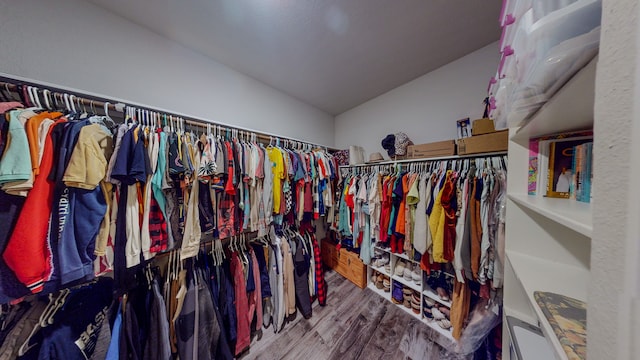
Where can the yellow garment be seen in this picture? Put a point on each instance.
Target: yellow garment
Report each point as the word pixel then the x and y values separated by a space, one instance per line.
pixel 277 164
pixel 461 302
pixel 88 162
pixel 436 226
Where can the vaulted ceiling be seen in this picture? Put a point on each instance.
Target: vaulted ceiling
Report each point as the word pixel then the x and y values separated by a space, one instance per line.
pixel 332 54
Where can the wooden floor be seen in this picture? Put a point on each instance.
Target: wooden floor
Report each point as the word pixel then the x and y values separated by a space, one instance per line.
pixel 355 324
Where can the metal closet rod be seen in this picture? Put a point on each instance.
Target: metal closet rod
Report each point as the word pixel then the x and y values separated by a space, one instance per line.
pixel 432 159
pixel 11 84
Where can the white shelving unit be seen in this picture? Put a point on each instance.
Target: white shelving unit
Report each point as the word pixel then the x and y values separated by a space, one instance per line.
pixel 548 241
pixel 446 338
pixel 432 295
pixel 572 214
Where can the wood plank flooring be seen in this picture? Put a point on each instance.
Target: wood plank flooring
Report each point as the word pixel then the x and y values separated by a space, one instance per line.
pixel 355 324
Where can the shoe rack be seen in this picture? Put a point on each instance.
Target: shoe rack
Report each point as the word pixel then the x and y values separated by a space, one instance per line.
pixel 427 296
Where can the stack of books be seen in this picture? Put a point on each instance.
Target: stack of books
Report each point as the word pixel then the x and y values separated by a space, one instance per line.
pixel 560 166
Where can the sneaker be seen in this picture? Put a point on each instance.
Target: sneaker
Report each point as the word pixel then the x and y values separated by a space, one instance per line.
pixel 437 314
pixel 429 302
pixel 381 261
pixel 427 313
pixel 416 275
pixel 407 273
pixel 445 311
pixel 399 270
pixel 444 323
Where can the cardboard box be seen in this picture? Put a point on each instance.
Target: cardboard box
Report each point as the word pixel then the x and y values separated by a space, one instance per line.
pixel 435 149
pixel 482 126
pixel 497 141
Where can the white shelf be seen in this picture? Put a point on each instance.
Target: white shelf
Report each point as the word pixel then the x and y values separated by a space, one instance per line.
pixel 431 323
pixel 410 284
pixel 573 214
pixel 571 108
pixel 520 315
pixel 404 257
pixel 537 274
pixel 430 294
pixel 446 333
pixel 381 270
pixel 409 311
pixel 380 292
pixel 388 251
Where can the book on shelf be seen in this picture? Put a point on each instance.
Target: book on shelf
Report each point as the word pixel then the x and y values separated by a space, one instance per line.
pixel 539 159
pixel 561 167
pixel 583 162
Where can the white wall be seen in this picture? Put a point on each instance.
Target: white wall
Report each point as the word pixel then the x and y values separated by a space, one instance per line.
pixel 79 45
pixel 426 108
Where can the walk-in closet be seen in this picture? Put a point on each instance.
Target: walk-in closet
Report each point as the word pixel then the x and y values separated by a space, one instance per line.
pixel 322 180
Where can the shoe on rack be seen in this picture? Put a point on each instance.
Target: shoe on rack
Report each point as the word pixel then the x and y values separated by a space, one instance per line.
pixel 408 273
pixel 444 323
pixel 415 298
pixel 407 303
pixel 416 275
pixel 379 282
pixel 399 270
pixel 427 313
pixel 437 314
pixel 442 293
pixel 429 302
pixel 445 311
pixel 381 261
pixel 386 284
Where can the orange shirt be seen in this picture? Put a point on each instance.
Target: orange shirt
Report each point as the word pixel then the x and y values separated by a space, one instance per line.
pixel 400 222
pixel 31 127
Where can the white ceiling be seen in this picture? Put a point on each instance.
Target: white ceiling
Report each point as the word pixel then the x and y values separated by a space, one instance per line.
pixel 332 54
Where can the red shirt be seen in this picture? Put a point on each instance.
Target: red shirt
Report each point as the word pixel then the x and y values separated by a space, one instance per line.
pixel 28 253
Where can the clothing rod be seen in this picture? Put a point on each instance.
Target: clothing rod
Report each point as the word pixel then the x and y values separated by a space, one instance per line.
pixel 10 82
pixel 453 157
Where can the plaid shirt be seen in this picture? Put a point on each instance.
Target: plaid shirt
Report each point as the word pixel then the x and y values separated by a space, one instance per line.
pixel 226 216
pixel 321 290
pixel 157 228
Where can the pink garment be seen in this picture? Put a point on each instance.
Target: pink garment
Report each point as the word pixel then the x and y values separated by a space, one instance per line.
pixel 4 106
pixel 255 298
pixel 242 305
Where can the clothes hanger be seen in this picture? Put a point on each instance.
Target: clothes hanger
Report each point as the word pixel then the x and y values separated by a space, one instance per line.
pixel 36 97
pixel 66 103
pixel 4 96
pixel 30 97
